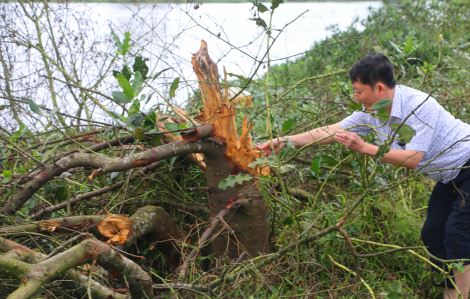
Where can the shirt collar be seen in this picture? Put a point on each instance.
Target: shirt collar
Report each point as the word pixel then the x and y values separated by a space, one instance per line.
pixel 396 103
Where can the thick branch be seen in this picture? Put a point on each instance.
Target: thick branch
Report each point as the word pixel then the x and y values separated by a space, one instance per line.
pixel 140 282
pixel 103 165
pixel 59 224
pixel 72 278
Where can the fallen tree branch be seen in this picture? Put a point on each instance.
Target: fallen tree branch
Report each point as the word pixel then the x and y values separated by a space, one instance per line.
pixel 72 278
pixel 103 165
pixel 70 223
pixel 33 276
pixel 150 223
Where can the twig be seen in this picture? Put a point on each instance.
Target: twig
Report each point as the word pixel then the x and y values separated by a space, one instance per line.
pixel 89 280
pixel 65 244
pixel 22 151
pixel 47 109
pixel 198 188
pixel 353 273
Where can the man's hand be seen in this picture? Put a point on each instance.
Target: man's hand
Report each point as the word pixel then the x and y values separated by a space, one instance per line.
pixel 350 140
pixel 406 158
pixel 266 147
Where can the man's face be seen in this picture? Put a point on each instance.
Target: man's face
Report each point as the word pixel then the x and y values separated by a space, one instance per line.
pixel 364 93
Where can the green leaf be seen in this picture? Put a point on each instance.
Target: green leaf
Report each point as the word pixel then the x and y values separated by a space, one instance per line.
pixel 174 86
pixel 31 203
pixel 288 221
pixel 149 97
pixel 287 125
pixel 6 180
pixel 459 267
pixel 383 115
pixel 329 160
pixel 47 154
pixel 18 133
pixel 380 105
pixel 125 44
pixel 354 106
pixel 62 192
pixel 157 140
pixel 135 120
pixel 438 277
pixel 172 126
pixel 395 291
pixel 275 3
pixel 116 115
pixel 232 180
pixel 316 166
pixel 462 46
pixel 173 159
pixel 273 289
pixel 48 189
pixel 269 161
pixel 260 6
pixel 160 72
pixel 35 108
pixel 117 42
pixel 135 107
pixel 126 72
pixel 126 86
pixel 260 22
pixel 288 149
pixel 6 173
pixel 408 46
pixel 397 48
pixel 138 134
pixel 405 132
pixel 383 149
pixel 141 66
pixel 119 97
pixel 137 82
pixel 53 113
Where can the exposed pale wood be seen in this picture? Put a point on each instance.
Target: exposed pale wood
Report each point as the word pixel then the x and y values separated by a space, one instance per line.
pixel 220 112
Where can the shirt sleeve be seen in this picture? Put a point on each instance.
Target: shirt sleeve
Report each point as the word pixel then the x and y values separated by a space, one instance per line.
pixel 423 121
pixel 356 119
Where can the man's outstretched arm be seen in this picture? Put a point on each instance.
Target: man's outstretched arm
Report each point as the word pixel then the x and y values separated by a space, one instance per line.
pixel 406 158
pixel 303 139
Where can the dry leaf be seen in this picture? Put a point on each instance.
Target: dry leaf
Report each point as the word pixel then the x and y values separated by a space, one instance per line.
pixel 49 225
pixel 116 227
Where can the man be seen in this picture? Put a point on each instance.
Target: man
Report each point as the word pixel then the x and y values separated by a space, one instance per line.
pixel 441 143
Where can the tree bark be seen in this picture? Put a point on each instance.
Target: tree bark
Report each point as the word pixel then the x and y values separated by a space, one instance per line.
pixel 247 229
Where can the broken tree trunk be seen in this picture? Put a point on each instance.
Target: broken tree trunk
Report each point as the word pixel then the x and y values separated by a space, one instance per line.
pixel 33 269
pixel 246 227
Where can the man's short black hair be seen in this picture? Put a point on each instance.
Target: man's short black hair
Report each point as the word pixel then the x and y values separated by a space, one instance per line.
pixel 372 69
